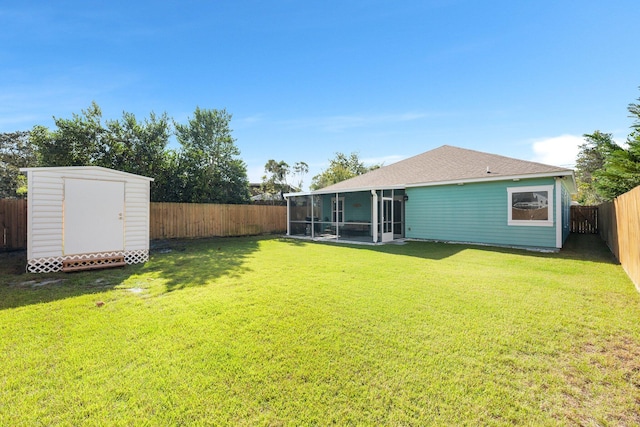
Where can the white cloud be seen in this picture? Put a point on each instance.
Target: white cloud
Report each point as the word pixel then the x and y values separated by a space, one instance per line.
pixel 557 151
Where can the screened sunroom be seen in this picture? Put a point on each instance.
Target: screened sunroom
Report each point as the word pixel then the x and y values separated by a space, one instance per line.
pixel 368 216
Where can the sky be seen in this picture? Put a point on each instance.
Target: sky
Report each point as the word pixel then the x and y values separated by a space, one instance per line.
pixel 306 79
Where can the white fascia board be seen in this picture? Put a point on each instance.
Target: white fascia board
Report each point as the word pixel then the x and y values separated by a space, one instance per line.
pixel 568 173
pixel 494 178
pixel 348 190
pixel 301 193
pixel 87 168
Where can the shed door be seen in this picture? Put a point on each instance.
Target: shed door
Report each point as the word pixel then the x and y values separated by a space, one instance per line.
pixel 93 216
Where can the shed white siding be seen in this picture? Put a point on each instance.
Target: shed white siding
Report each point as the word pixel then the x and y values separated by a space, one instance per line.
pixel 45 206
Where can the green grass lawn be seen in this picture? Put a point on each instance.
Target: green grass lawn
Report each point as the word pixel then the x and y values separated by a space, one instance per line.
pixel 264 331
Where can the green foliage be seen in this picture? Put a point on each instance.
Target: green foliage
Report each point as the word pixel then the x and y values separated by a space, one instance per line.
pixel 126 145
pixel 591 159
pixel 299 171
pixel 621 171
pixel 15 152
pixel 276 180
pixel 206 169
pixel 234 332
pixel 76 142
pixel 209 164
pixel 137 147
pixel 140 148
pixel 608 168
pixel 340 168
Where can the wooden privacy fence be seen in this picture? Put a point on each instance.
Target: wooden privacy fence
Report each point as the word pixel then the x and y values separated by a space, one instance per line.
pixel 167 221
pixel 620 229
pixel 13 224
pixel 190 220
pixel 584 219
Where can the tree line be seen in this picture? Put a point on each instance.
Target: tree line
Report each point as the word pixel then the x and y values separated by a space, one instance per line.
pixel 206 168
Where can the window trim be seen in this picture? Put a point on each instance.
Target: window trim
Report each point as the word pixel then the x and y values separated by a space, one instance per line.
pixel 531 223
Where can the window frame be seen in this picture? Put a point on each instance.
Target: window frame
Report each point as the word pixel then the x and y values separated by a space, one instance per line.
pixel 530 223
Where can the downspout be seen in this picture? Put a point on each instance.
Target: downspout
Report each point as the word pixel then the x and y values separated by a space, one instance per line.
pixel 374 216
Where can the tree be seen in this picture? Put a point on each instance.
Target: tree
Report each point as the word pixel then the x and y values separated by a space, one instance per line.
pixel 205 169
pixel 274 182
pixel 76 142
pixel 597 148
pixel 341 168
pixel 140 148
pixel 209 164
pixel 126 145
pixel 300 170
pixel 279 176
pixel 15 152
pixel 621 170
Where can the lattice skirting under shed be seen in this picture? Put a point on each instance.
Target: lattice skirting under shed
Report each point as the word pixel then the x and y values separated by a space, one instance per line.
pixel 54 264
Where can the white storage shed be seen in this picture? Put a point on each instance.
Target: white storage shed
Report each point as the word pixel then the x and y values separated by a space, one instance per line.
pixel 82 217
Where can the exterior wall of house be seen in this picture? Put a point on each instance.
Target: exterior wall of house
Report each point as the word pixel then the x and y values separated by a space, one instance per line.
pixel 474 212
pixel 45 221
pixel 357 206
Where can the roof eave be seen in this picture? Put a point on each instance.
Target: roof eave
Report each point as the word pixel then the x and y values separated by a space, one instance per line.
pixel 561 173
pixel 347 190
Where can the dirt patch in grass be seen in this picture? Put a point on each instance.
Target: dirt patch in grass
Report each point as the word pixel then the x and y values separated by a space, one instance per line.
pixel 603 385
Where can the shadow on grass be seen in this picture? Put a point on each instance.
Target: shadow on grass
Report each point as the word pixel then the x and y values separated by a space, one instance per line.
pixel 180 263
pixel 584 247
pixel 186 263
pixel 18 288
pixel 587 247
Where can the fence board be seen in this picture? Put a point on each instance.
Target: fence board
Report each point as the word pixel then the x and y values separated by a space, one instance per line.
pixel 584 219
pixel 167 221
pixel 190 220
pixel 13 224
pixel 620 229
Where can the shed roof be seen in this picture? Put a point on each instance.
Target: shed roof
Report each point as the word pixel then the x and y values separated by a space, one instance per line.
pixel 447 164
pixel 62 169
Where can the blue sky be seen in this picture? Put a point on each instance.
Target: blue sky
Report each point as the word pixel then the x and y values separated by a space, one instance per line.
pixel 306 79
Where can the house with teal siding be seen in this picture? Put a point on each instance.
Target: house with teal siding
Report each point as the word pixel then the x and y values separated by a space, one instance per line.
pixel 447 194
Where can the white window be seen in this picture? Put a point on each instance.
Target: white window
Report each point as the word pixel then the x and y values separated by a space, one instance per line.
pixel 337 210
pixel 531 205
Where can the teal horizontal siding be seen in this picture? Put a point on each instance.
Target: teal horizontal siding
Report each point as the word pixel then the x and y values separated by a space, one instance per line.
pixel 357 206
pixel 475 212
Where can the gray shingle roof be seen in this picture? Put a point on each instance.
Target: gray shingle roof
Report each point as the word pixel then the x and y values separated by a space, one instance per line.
pixel 445 164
